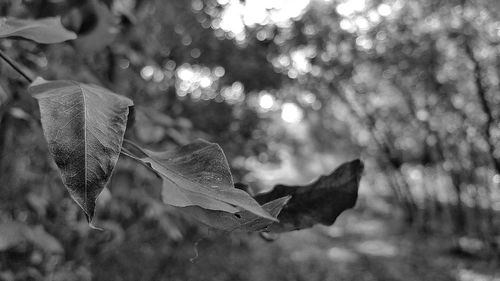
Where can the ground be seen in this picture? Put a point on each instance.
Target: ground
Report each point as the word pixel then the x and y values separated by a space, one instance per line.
pixel 361 246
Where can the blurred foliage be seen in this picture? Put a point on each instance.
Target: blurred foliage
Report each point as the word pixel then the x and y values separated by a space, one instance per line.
pixel 411 86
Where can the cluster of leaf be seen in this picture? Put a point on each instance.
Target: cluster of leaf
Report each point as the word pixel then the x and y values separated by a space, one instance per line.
pixel 84 125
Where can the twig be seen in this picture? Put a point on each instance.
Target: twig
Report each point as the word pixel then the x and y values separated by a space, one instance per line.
pixel 397 182
pixel 481 93
pixel 15 66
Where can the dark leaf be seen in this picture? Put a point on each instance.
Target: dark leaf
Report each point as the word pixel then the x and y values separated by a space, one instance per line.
pixel 243 221
pixel 84 126
pixel 320 202
pixel 198 174
pixel 45 31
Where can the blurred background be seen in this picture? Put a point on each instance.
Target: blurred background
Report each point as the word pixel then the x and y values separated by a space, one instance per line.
pixel 290 89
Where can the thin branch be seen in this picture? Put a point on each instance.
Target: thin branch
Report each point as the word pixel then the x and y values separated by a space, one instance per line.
pixel 397 182
pixel 15 66
pixel 482 95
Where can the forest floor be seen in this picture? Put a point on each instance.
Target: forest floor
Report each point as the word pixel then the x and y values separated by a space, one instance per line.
pixel 360 246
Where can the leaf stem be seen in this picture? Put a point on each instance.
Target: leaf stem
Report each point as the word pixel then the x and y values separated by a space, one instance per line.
pixel 15 66
pixel 130 155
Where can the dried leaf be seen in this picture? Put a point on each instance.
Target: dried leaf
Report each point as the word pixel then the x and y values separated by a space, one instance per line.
pixel 84 127
pixel 320 202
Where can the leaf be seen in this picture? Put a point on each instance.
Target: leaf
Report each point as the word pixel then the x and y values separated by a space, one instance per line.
pixel 45 31
pixel 243 221
pixel 320 202
pixel 198 174
pixel 84 127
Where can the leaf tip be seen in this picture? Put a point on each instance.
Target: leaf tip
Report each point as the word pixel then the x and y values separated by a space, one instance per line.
pixel 358 165
pixel 274 219
pixel 91 224
pixel 286 199
pixel 38 81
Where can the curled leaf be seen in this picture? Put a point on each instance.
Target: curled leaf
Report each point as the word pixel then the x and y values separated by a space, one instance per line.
pixel 84 127
pixel 320 202
pixel 45 31
pixel 197 174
